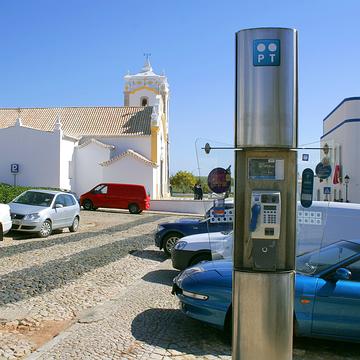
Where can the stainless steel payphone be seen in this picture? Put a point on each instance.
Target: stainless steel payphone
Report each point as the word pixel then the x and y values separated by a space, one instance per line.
pixel 265 193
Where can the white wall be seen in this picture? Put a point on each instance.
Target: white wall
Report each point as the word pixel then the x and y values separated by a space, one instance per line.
pixel 66 155
pixel 37 153
pixel 129 170
pixel 182 206
pixel 134 99
pixel 347 138
pixel 348 110
pixel 140 144
pixel 87 169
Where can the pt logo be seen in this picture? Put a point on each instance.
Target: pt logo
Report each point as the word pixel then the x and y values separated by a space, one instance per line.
pixel 266 52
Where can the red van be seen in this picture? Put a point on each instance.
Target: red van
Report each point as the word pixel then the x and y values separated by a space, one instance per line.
pixel 119 196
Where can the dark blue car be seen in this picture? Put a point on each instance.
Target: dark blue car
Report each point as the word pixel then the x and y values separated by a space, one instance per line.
pixel 327 292
pixel 168 234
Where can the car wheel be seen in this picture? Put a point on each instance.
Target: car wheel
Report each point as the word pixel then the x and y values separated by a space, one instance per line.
pixel 170 241
pixel 46 229
pixel 201 257
pixel 75 225
pixel 134 209
pixel 88 205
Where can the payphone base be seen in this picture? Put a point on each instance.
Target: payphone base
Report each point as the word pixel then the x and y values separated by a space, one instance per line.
pixel 264 303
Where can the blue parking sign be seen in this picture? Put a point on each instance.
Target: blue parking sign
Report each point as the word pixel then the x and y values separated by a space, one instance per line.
pixel 266 52
pixel 14 168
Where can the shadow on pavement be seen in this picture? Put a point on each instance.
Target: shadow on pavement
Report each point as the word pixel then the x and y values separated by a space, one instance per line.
pixel 164 277
pixel 326 349
pixel 149 254
pixel 170 329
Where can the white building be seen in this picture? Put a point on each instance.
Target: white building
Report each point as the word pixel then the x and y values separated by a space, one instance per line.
pixel 341 131
pixel 78 147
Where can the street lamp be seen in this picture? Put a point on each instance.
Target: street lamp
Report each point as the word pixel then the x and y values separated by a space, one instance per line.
pixel 346 179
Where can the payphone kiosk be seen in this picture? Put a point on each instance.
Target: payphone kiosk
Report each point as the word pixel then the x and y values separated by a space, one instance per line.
pixel 265 193
pixel 265 228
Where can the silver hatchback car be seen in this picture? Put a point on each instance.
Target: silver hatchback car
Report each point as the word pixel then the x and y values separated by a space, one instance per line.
pixel 42 211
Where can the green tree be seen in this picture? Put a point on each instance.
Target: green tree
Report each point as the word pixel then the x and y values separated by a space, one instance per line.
pixel 183 181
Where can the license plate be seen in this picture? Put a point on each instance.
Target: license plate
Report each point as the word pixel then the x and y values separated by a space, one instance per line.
pixel 16 222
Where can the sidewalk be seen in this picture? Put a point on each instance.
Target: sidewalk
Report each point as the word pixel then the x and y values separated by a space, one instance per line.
pixel 144 322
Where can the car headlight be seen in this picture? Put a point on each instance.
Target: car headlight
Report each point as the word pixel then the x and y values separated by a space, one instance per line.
pixel 186 273
pixel 31 217
pixel 180 245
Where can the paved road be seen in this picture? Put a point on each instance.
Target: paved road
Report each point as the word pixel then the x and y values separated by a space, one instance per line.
pixel 107 291
pixel 46 283
pixel 144 322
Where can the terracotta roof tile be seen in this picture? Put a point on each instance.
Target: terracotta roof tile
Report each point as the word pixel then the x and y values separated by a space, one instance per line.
pixel 84 121
pixel 132 153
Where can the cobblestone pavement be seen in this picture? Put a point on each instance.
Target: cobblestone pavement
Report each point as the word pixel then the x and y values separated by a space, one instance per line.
pixel 107 291
pixel 46 283
pixel 144 322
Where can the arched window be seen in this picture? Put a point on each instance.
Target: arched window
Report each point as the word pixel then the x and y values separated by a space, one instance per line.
pixel 144 101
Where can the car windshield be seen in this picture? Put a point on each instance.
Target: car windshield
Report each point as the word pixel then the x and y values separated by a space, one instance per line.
pixel 35 198
pixel 316 261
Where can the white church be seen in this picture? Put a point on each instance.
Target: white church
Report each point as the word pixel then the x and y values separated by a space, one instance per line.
pixel 76 148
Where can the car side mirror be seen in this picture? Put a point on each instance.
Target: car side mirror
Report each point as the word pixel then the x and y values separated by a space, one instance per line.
pixel 59 206
pixel 342 274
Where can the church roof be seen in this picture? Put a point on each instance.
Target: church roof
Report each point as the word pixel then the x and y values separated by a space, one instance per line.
pixel 146 71
pixel 83 121
pixel 132 153
pixel 97 142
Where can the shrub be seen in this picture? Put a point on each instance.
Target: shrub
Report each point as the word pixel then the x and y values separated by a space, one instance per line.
pixel 9 192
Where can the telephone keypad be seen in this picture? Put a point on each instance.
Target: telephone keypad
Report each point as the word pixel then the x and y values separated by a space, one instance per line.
pixel 269 217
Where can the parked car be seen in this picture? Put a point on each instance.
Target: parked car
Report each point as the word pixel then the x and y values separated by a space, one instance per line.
pixel 5 220
pixel 118 196
pixel 192 249
pixel 168 234
pixel 216 220
pixel 329 279
pixel 42 211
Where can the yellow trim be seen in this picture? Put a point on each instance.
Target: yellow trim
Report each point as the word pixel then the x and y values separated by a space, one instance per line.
pixel 144 88
pixel 163 118
pixel 154 143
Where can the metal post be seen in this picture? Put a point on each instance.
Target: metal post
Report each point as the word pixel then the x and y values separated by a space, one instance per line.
pixel 265 193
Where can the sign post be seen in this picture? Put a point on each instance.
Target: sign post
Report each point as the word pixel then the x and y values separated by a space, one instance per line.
pixel 14 171
pixel 265 193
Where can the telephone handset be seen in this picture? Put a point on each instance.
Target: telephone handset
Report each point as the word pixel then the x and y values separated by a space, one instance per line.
pixel 255 212
pixel 265 215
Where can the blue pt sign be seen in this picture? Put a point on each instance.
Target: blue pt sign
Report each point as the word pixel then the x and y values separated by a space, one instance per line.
pixel 266 52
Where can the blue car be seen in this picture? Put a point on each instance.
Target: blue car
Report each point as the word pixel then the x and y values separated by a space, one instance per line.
pixel 327 292
pixel 167 234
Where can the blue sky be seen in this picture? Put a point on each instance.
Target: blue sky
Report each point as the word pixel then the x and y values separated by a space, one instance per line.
pixel 76 52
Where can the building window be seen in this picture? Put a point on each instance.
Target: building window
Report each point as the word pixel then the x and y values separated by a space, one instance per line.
pixel 144 101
